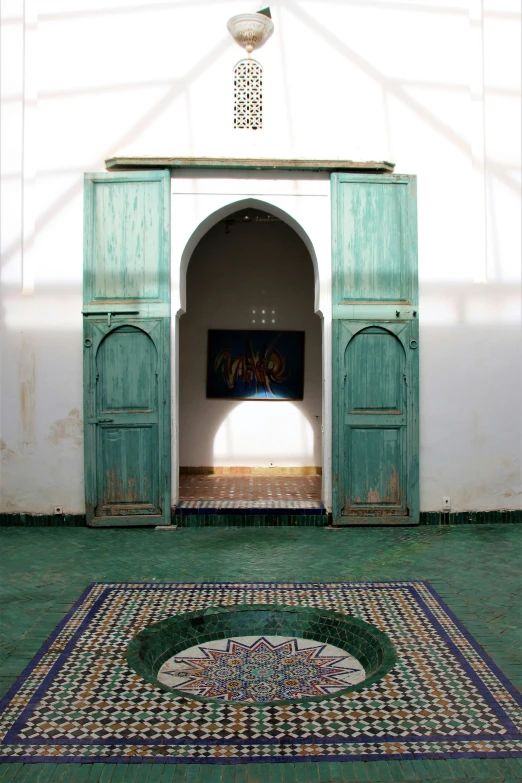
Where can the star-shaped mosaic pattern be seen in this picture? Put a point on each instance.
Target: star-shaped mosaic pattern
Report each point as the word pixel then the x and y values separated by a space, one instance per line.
pixel 261 669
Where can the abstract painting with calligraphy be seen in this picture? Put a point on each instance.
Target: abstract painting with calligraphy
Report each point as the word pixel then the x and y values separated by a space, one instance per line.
pixel 255 365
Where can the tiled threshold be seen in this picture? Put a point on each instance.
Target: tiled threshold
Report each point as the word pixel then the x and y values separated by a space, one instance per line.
pixel 205 470
pixel 250 507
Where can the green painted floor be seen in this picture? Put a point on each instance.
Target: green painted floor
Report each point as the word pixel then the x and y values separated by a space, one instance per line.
pixel 476 569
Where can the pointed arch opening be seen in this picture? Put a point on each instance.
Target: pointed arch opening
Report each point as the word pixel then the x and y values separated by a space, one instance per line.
pixel 251 275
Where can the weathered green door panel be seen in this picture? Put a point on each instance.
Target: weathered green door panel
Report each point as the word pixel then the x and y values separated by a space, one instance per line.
pixel 127 225
pixel 377 473
pixel 374 239
pixel 127 349
pixel 375 422
pixel 127 439
pixel 126 366
pixel 374 368
pixel 127 238
pixel 375 350
pixel 127 388
pixel 374 417
pixel 127 478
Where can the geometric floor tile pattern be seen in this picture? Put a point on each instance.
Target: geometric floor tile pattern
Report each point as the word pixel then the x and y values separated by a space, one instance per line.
pixel 79 700
pixel 475 568
pixel 261 668
pixel 249 488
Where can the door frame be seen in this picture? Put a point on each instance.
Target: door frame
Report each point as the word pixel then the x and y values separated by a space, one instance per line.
pixel 234 186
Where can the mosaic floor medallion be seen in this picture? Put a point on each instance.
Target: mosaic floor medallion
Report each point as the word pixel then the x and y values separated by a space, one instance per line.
pixel 261 669
pixel 81 700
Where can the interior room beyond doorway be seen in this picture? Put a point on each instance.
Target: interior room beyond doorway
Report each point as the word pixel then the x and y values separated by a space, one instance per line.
pixel 250 378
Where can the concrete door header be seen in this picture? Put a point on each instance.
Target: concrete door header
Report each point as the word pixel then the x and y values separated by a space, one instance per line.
pixel 259 164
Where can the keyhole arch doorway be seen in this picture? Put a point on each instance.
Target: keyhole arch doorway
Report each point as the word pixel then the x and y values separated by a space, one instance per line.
pixel 216 216
pixel 229 418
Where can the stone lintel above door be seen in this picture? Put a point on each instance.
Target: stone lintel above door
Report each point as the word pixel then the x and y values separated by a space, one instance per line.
pixel 260 164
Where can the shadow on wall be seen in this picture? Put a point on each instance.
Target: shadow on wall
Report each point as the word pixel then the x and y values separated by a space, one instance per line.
pixel 470 392
pixel 251 271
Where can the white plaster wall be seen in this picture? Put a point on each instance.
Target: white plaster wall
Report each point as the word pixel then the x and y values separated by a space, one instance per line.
pixel 434 87
pixel 256 276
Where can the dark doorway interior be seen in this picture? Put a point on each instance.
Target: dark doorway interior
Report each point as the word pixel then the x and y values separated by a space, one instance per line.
pixel 251 271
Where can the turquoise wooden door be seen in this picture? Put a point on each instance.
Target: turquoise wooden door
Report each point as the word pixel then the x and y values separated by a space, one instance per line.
pixel 126 349
pixel 375 350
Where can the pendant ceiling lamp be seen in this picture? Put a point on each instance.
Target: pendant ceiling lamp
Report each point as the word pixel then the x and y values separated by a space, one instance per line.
pixel 251 30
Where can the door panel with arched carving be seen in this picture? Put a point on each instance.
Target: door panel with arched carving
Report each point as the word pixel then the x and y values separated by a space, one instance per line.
pixel 127 392
pixel 374 423
pixel 124 438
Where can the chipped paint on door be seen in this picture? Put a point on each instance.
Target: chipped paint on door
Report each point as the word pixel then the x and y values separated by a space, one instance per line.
pixel 373 435
pixel 127 393
pixel 126 349
pixel 375 359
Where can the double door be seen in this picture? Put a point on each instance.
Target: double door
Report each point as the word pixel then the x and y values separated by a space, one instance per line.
pixel 126 349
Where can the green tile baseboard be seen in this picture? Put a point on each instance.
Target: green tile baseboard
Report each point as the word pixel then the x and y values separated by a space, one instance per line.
pixel 24 519
pixel 251 520
pixel 470 517
pixel 436 518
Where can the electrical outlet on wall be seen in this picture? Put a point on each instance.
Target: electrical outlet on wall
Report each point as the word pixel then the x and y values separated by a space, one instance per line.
pixel 58 510
pixel 446 504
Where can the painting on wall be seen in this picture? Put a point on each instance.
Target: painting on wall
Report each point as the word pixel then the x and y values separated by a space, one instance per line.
pixel 255 365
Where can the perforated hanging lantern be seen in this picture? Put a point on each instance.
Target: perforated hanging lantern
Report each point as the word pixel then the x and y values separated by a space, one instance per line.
pixel 250 30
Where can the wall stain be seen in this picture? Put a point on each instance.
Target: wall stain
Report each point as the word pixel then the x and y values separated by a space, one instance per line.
pixel 27 382
pixel 5 452
pixel 67 431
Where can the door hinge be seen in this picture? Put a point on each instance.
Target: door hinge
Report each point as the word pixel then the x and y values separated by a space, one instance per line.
pixel 110 313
